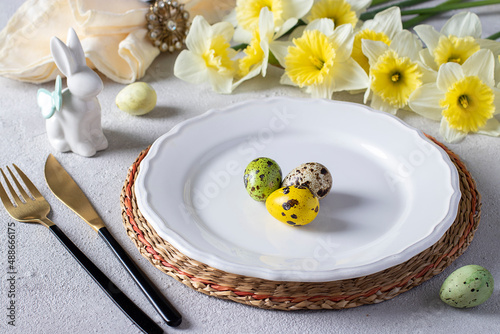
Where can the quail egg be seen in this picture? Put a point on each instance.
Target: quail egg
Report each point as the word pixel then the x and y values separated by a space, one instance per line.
pixel 313 175
pixel 262 177
pixel 293 205
pixel 467 287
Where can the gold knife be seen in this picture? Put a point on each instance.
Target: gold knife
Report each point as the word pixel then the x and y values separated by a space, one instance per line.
pixel 68 192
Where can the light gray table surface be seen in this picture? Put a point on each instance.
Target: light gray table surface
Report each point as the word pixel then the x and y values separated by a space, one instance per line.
pixel 54 294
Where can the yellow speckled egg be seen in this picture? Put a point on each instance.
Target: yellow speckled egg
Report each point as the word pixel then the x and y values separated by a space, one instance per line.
pixel 293 205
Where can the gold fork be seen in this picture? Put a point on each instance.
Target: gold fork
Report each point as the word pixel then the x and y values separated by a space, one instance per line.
pixel 34 209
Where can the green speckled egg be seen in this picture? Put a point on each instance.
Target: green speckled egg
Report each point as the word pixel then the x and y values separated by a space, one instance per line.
pixel 262 177
pixel 467 287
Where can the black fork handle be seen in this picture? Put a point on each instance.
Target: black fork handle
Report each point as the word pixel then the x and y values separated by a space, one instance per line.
pixel 134 313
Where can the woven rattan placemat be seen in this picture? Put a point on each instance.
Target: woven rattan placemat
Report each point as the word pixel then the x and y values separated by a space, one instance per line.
pixel 341 294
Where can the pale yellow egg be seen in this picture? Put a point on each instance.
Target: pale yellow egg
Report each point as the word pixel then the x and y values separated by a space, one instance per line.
pixel 136 99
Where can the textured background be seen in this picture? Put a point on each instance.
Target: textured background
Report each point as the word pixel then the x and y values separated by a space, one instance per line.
pixel 54 295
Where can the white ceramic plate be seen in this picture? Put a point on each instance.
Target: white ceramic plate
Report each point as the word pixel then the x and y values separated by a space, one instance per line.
pixel 395 193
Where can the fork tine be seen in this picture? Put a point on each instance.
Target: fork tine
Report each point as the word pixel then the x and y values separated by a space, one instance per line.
pixel 24 195
pixel 16 198
pixel 31 187
pixel 3 195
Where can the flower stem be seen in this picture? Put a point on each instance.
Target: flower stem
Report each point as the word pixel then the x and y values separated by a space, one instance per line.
pixel 405 3
pixel 445 8
pixel 378 2
pixel 239 47
pixel 273 61
pixel 417 19
pixel 494 36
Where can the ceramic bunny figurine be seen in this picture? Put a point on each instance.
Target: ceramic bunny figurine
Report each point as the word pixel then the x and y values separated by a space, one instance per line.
pixel 73 122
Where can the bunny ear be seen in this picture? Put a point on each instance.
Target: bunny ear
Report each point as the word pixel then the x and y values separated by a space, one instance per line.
pixel 63 57
pixel 76 47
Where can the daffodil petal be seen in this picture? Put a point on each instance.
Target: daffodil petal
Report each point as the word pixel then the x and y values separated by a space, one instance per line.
pixel 462 25
pixel 482 65
pixel 190 67
pixel 231 18
pixel 428 35
pixel 448 74
pixel 343 39
pixel 491 128
pixel 360 6
pixel 494 46
pixel 367 96
pixel 325 26
pixel 266 23
pixel 287 26
pixel 406 44
pixel 265 64
pixel 387 21
pixel 285 80
pixel 373 50
pixel 428 74
pixel 427 59
pixel 378 104
pixel 251 74
pixel 349 76
pixel 221 84
pixel 425 101
pixel 323 91
pixel 198 36
pixel 280 50
pixel 266 31
pixel 449 134
pixel 496 91
pixel 224 29
pixel 242 36
pixel 296 8
pixel 265 49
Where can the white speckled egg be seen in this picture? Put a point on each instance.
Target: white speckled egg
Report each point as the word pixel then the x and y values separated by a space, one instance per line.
pixel 467 287
pixel 313 175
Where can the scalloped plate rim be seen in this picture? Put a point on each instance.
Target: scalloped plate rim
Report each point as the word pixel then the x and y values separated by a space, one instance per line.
pixel 188 249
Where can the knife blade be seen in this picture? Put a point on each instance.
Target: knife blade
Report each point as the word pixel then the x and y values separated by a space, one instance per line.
pixel 67 191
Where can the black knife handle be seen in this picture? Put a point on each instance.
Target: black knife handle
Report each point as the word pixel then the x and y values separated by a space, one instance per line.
pixel 160 303
pixel 134 313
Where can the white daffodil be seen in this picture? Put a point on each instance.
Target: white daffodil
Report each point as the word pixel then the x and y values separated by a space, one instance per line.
pixel 286 14
pixel 395 71
pixel 463 98
pixel 209 56
pixel 497 70
pixel 459 39
pixel 256 54
pixel 320 60
pixel 384 27
pixel 339 11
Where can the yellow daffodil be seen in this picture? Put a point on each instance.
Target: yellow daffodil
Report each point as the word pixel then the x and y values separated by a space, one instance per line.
pixel 458 40
pixel 395 71
pixel 256 54
pixel 384 26
pixel 208 57
pixel 320 60
pixel 286 14
pixel 463 98
pixel 339 11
